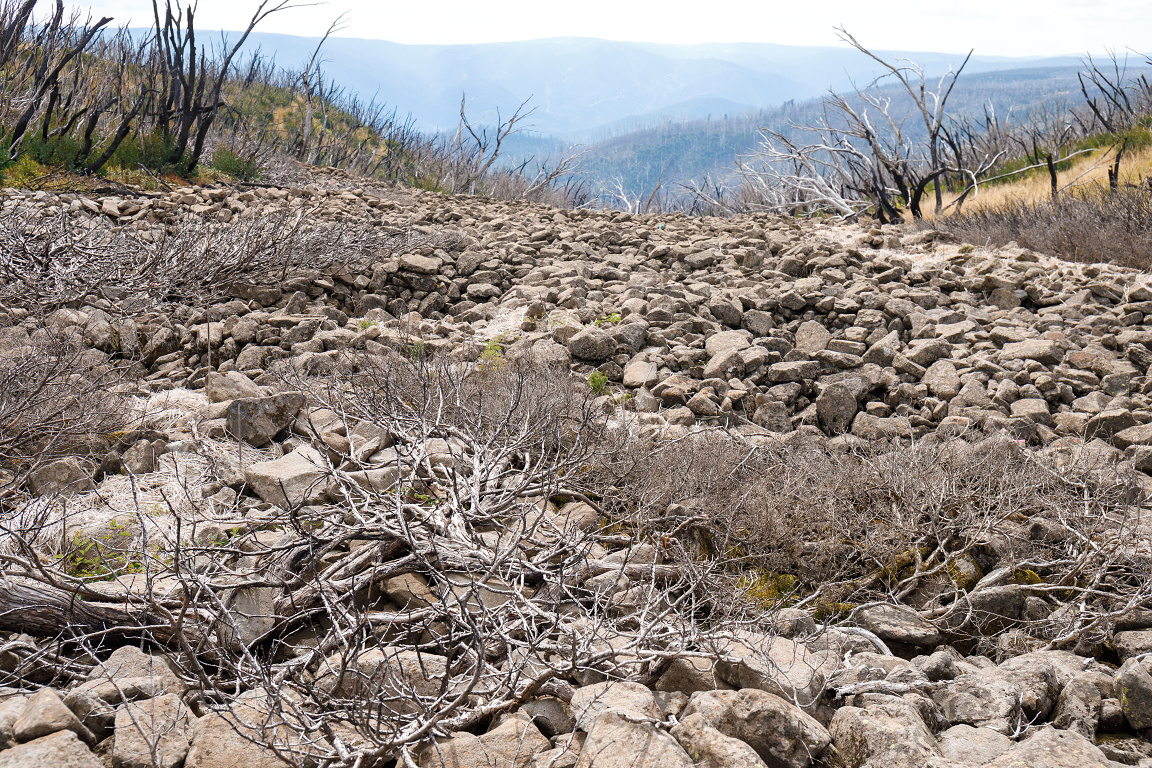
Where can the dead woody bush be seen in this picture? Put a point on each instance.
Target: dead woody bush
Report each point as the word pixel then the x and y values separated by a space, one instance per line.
pixel 49 261
pixel 56 399
pixel 964 532
pixel 475 535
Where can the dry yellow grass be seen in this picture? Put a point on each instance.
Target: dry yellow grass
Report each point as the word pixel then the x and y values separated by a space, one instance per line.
pixel 1086 171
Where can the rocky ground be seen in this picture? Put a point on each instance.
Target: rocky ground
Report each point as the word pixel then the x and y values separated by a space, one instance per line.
pixel 769 333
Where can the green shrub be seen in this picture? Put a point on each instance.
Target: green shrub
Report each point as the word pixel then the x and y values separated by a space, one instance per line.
pixel 235 165
pixel 598 382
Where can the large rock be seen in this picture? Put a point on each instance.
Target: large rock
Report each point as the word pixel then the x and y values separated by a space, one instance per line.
pixel 154 733
pixel 973 746
pixel 811 337
pixel 640 373
pixel 220 743
pixel 256 420
pixel 616 742
pixel 232 385
pixel 899 624
pixel 727 340
pixel 689 675
pixel 1134 689
pixel 130 667
pixel 1051 748
pixel 1023 688
pixel 836 408
pixel 290 481
pixel 942 379
pixel 774 664
pixel 592 344
pixel 512 744
pixel 251 616
pixel 782 734
pixel 709 748
pixel 632 700
pixel 886 732
pixel 44 714
pixel 66 477
pixel 1134 642
pixel 387 673
pixel 1040 350
pixel 58 750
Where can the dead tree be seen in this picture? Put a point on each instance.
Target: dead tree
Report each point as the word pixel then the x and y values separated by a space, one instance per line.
pixel 1116 104
pixel 863 155
pixel 193 83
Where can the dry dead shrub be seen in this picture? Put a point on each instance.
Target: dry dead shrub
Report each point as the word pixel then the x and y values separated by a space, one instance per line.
pixel 1087 226
pixel 50 261
pixel 921 525
pixel 56 399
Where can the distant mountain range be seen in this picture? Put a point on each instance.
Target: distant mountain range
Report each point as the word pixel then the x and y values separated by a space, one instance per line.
pixel 586 89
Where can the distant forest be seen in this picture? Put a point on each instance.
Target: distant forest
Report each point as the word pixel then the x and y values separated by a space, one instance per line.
pixel 676 153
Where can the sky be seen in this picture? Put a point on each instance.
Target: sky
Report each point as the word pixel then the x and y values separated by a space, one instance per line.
pixel 992 27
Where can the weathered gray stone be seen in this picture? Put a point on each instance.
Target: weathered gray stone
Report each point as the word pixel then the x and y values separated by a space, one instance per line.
pixel 942 380
pixel 290 481
pixel 218 743
pixel 45 713
pixel 782 734
pixel 154 733
pixel 709 747
pixel 66 477
pixel 257 420
pixel 812 337
pixel 886 731
pixel 61 749
pixel 973 746
pixel 511 744
pixel 774 664
pixel 615 742
pixel 899 624
pixel 1134 690
pixel 630 699
pixel 592 344
pixel 836 408
pixel 232 385
pixel 1040 350
pixel 1051 748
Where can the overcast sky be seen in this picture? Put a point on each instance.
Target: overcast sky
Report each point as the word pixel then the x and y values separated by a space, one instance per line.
pixel 992 27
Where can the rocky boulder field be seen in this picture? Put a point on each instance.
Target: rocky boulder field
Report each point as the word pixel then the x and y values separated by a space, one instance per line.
pixel 334 475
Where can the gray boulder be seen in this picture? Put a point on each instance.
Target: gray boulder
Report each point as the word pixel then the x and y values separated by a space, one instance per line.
pixel 256 420
pixel 782 734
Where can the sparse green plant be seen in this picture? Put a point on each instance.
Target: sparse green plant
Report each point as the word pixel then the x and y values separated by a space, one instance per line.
pixel 236 166
pixel 611 317
pixel 417 351
pixel 598 381
pixel 492 356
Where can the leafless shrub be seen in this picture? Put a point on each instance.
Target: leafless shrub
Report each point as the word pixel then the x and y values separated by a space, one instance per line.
pixel 49 261
pixel 55 400
pixel 1087 225
pixel 451 474
pixel 921 526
